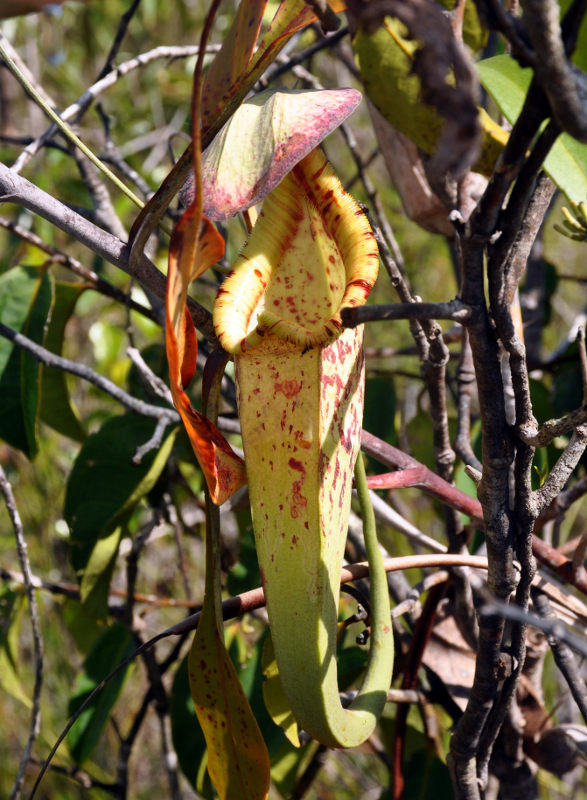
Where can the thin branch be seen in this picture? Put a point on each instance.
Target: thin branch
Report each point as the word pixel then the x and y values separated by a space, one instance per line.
pixel 103 212
pixel 384 229
pixel 21 548
pixel 15 189
pixel 72 591
pixel 287 62
pixel 453 309
pixel 76 110
pixel 88 275
pixel 328 19
pixel 51 360
pixel 552 627
pixel 422 477
pixel 466 389
pixel 563 655
pixel 412 601
pixel 561 472
pixel 499 18
pixel 543 436
pixel 132 562
pixel 152 381
pixel 386 515
pixel 427 480
pixel 564 85
pixel 123 24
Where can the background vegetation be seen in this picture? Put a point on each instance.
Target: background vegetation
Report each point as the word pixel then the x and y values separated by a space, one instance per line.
pixel 66 448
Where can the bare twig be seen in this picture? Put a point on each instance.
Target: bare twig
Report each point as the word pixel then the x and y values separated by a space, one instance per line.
pixel 328 19
pixel 21 548
pixel 453 309
pixel 563 656
pixel 76 110
pixel 564 85
pixel 123 24
pixel 540 437
pixel 170 416
pixel 18 190
pixel 88 275
pixel 466 389
pixel 561 472
pixel 152 381
pixel 552 627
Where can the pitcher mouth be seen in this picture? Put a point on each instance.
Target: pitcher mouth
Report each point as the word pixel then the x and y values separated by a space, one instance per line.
pixel 311 253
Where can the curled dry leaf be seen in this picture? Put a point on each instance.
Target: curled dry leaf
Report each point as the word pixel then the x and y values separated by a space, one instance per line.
pixel 419 78
pixel 222 468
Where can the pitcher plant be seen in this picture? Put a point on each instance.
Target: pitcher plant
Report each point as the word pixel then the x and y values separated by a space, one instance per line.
pixel 300 381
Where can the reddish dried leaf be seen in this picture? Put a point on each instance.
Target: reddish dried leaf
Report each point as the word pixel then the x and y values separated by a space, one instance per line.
pixel 190 254
pixel 233 58
pixel 219 94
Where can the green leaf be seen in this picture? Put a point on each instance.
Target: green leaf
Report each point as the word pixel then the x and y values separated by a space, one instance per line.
pixel 238 762
pixel 26 296
pixel 380 405
pixel 95 580
pixel 83 627
pixel 113 646
pixel 245 573
pixel 11 605
pixel 426 776
pixel 276 702
pixel 188 739
pixel 579 57
pixel 17 290
pixel 103 488
pixel 508 84
pixel 56 409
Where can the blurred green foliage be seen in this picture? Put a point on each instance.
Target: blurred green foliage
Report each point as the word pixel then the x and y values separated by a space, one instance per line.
pixel 66 52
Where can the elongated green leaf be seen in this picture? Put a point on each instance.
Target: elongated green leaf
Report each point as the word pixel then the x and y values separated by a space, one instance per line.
pixel 508 83
pixel 56 409
pixel 276 702
pixel 188 740
pixel 100 564
pixel 579 57
pixel 26 297
pixel 11 605
pixel 238 762
pixel 17 291
pixel 103 487
pixel 112 647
